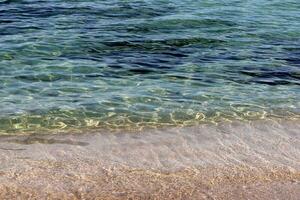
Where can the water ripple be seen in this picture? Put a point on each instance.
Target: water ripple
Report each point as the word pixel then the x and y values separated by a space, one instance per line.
pixel 132 64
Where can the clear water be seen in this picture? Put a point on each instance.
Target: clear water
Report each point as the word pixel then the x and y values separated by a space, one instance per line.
pixel 71 65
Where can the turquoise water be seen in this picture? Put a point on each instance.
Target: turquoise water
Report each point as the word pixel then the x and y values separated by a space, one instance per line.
pixel 71 65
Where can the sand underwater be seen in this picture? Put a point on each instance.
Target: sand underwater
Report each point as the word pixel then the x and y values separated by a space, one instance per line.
pixel 257 160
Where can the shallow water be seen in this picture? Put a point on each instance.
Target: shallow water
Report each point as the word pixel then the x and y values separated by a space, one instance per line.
pixel 131 64
pixel 257 160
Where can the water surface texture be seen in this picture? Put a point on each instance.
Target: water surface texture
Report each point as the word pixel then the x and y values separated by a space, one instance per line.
pixel 71 65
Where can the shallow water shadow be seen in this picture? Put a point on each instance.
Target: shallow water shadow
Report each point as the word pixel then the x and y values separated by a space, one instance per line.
pixel 12 149
pixel 36 140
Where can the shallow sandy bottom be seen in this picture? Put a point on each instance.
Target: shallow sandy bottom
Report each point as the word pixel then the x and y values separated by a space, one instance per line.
pixel 257 160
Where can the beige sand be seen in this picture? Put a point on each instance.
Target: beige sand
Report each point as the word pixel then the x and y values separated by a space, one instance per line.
pixel 257 160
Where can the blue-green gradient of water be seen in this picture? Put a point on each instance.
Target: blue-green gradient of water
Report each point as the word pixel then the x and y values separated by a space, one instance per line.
pixel 70 65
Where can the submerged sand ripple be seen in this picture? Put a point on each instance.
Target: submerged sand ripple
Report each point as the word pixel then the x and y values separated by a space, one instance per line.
pixel 257 160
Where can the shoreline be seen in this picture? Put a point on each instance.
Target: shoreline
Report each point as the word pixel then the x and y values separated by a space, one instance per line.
pixel 259 160
pixel 137 127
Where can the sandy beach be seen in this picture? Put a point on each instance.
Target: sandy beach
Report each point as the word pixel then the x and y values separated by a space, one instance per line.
pixel 257 160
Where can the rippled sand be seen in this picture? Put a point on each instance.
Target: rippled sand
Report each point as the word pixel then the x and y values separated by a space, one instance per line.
pixel 257 160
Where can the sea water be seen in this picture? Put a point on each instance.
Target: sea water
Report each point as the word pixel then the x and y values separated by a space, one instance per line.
pixel 117 64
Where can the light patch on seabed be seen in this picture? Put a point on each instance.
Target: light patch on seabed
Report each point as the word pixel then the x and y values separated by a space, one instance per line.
pixel 256 160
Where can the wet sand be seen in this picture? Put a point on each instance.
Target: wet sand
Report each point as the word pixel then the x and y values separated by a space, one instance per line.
pixel 257 160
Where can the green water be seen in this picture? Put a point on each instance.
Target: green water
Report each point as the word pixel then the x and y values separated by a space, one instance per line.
pixel 76 65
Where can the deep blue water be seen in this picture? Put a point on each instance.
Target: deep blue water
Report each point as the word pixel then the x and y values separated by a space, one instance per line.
pixel 73 65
